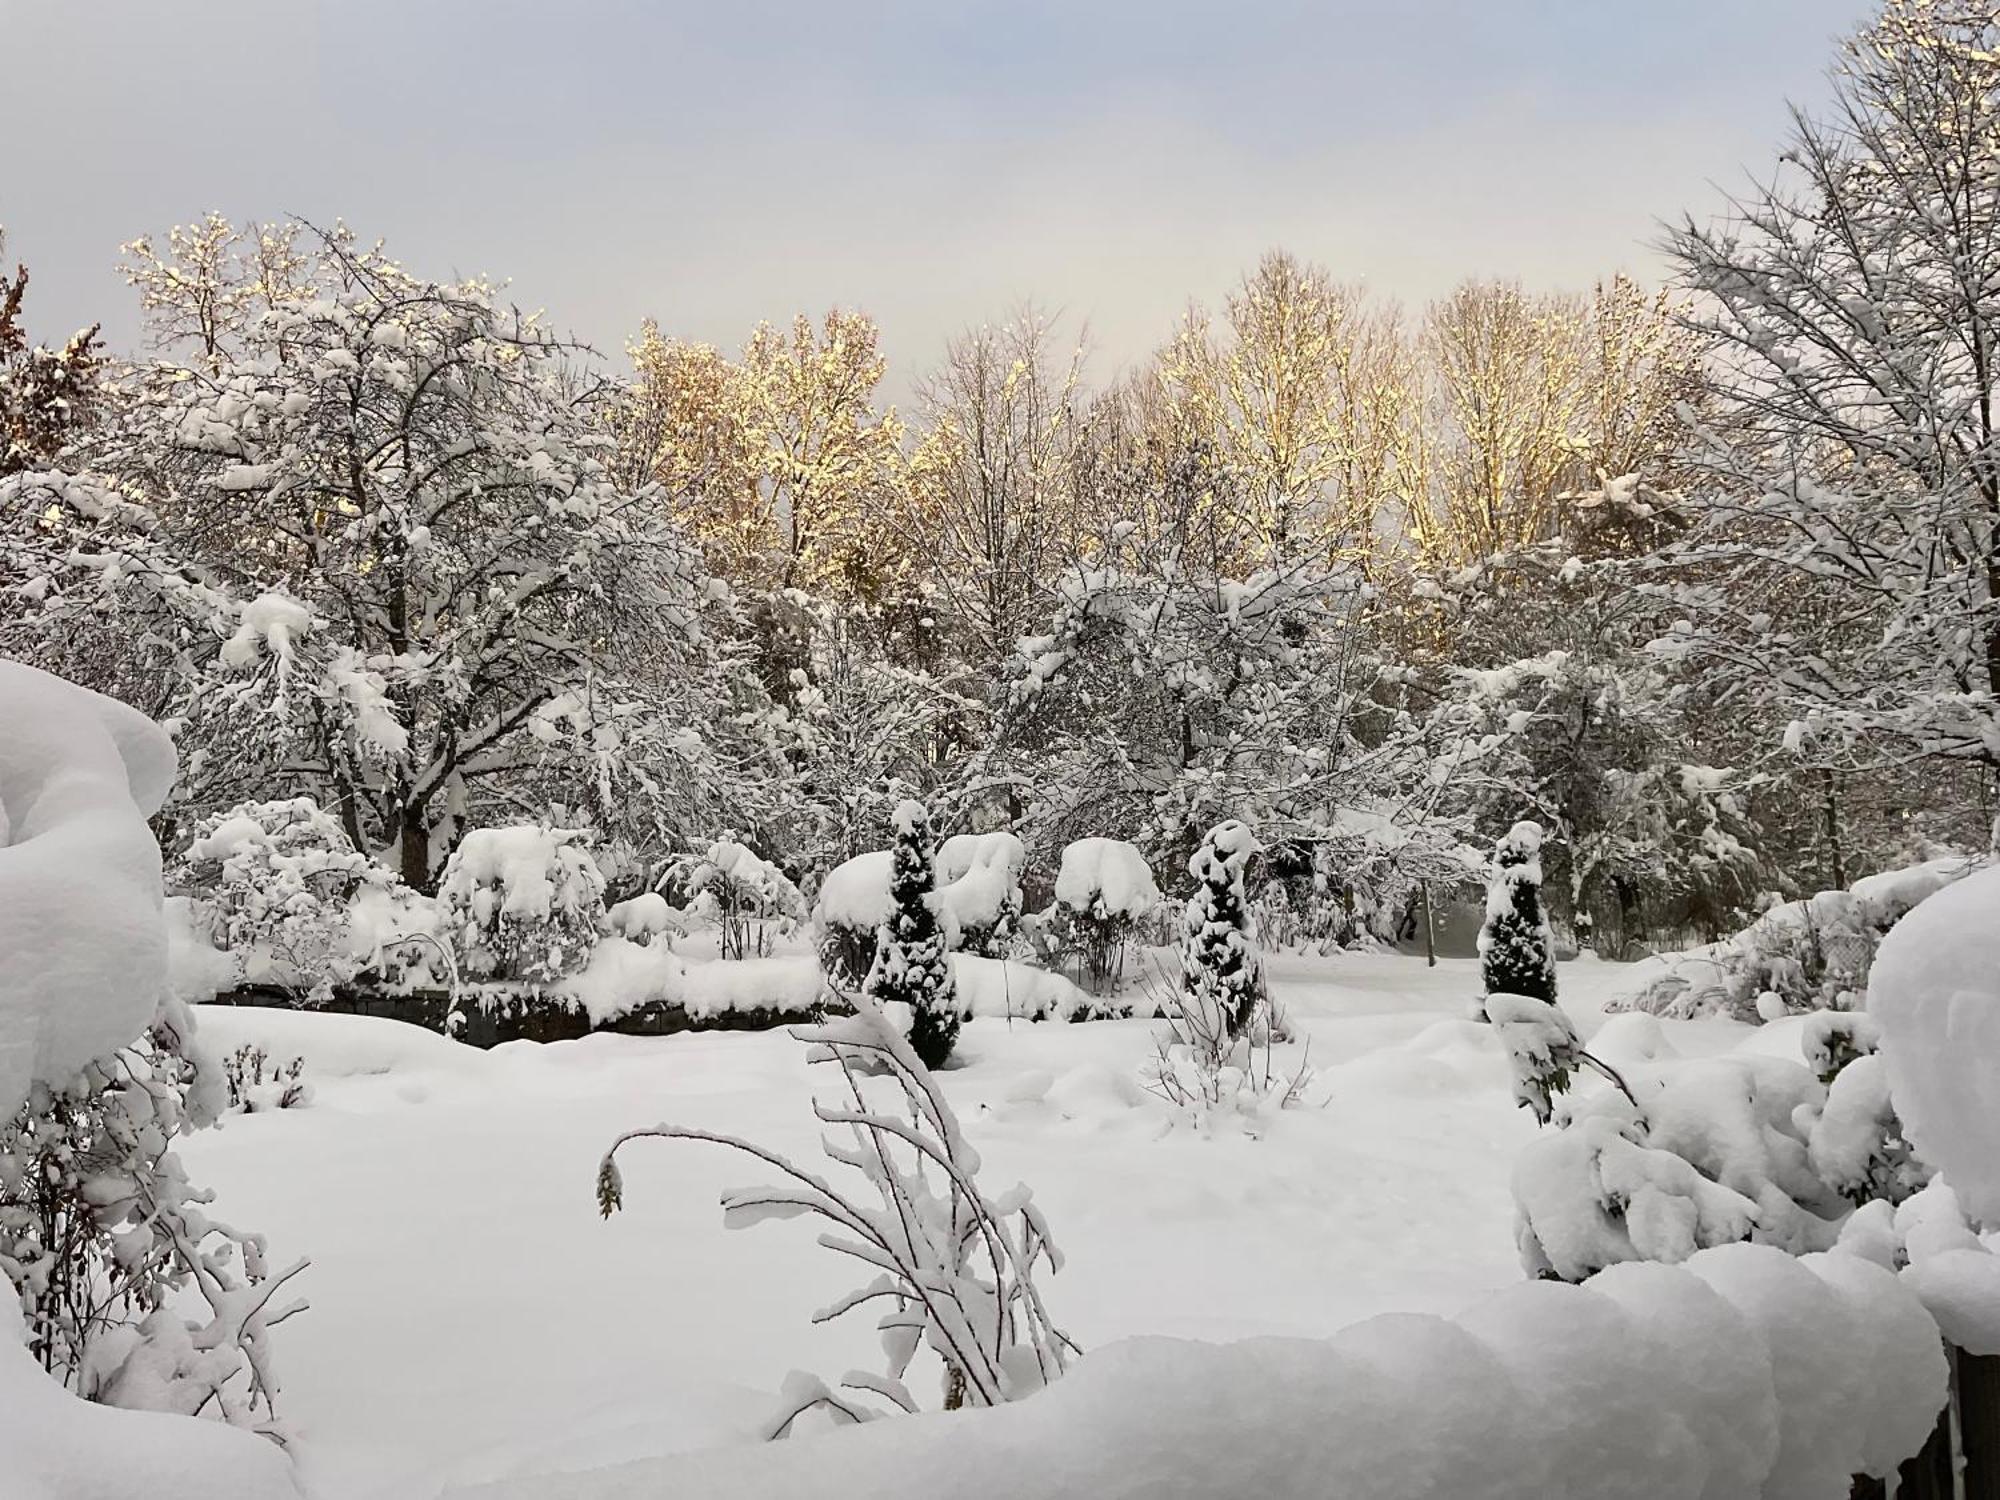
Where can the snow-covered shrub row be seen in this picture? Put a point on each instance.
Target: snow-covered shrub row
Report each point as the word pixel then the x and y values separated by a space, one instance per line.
pixel 1803 955
pixel 1743 1373
pixel 103 1241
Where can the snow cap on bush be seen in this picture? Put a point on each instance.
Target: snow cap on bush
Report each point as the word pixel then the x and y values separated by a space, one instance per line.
pixel 525 902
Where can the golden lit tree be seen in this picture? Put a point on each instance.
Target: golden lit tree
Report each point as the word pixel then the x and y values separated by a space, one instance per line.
pixel 826 457
pixel 992 496
pixel 1303 395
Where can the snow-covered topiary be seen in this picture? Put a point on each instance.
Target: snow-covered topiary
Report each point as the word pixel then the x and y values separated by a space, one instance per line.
pixel 750 899
pixel 1103 887
pixel 523 903
pixel 955 1266
pixel 1221 970
pixel 272 883
pixel 1516 947
pixel 979 879
pixel 912 962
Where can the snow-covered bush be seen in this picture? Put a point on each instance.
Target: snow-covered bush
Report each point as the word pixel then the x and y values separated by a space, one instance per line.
pixel 1689 1153
pixel 1516 947
pixel 912 960
pixel 272 883
pixel 644 919
pixel 127 1290
pixel 750 899
pixel 1103 887
pixel 523 903
pixel 101 1233
pixel 1812 954
pixel 854 901
pixel 979 879
pixel 956 1266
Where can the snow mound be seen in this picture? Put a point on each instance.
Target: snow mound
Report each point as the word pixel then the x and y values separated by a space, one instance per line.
pixel 1935 994
pixel 80 898
pixel 1745 1373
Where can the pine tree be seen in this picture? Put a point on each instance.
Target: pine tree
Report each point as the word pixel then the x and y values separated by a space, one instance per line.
pixel 911 964
pixel 1516 947
pixel 1220 972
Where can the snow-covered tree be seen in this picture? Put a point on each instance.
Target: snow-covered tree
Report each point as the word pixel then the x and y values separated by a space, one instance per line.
pixel 1516 947
pixel 1166 697
pixel 523 903
pixel 912 964
pixel 47 396
pixel 1844 578
pixel 1221 969
pixel 378 513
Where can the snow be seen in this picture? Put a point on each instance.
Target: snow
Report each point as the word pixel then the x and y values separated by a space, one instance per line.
pixel 1659 1384
pixel 56 1447
pixel 1935 994
pixel 1107 870
pixel 268 624
pixel 670 1336
pixel 80 918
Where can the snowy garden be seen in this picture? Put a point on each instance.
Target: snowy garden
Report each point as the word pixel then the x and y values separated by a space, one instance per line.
pixel 1255 930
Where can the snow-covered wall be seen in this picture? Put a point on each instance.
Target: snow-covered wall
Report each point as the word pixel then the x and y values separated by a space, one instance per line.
pixel 1744 1373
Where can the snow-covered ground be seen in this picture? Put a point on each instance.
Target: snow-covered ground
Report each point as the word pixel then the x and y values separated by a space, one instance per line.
pixel 472 1318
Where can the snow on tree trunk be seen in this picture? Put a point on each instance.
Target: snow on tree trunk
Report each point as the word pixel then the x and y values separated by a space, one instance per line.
pixel 1221 975
pixel 1516 947
pixel 912 965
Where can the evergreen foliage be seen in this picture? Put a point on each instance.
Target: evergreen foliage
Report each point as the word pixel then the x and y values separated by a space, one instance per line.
pixel 1516 947
pixel 911 961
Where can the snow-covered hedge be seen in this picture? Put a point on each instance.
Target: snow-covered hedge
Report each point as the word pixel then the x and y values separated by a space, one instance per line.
pixel 523 903
pixel 1804 955
pixel 1743 1373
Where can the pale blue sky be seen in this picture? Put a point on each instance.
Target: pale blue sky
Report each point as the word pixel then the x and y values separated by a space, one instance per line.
pixel 931 164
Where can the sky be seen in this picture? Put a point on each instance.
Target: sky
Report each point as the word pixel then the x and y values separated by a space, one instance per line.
pixel 935 165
